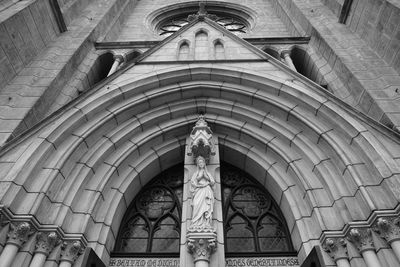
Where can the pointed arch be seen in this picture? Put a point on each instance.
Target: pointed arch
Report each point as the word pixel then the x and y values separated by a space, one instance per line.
pixel 184 50
pixel 201 49
pixel 219 49
pixel 312 152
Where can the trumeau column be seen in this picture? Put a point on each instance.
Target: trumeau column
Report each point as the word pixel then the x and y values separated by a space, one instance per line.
pixel 337 249
pixel 70 253
pixel 362 239
pixel 389 229
pixel 45 243
pixel 16 238
pixel 202 229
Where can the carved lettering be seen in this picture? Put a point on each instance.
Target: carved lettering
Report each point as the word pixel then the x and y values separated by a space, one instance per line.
pixel 229 262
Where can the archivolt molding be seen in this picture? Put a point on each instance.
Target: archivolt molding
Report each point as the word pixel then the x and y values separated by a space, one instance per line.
pixel 83 168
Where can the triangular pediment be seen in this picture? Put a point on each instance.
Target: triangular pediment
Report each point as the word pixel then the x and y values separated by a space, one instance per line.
pixel 203 40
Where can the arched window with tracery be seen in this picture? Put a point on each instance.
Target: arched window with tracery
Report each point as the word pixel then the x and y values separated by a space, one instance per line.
pixel 152 222
pixel 253 221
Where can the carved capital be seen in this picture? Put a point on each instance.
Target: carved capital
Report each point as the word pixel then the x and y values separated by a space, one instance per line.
pixel 71 250
pixel 45 242
pixel 362 239
pixel 19 233
pixel 336 248
pixel 388 228
pixel 201 245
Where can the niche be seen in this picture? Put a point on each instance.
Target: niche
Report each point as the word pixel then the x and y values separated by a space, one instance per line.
pixel 201 45
pixel 183 53
pixel 219 50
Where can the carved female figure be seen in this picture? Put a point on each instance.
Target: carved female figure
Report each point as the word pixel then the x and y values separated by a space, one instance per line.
pixel 202 196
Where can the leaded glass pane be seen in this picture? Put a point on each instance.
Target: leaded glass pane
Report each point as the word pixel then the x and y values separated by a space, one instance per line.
pixel 239 238
pixel 166 237
pixel 135 236
pixel 152 223
pixel 253 222
pixel 271 235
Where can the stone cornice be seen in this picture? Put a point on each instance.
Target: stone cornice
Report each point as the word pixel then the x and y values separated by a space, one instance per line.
pixel 370 223
pixel 36 226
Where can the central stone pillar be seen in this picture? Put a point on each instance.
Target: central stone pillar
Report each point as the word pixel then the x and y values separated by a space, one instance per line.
pixel 202 240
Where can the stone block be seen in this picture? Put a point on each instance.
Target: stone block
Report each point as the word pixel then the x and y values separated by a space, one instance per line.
pixel 382 196
pixel 358 205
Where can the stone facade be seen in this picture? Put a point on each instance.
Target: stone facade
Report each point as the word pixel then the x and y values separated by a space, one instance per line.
pixel 94 103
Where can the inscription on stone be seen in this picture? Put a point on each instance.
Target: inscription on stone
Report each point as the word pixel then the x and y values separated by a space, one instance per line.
pixel 262 261
pixel 230 262
pixel 144 262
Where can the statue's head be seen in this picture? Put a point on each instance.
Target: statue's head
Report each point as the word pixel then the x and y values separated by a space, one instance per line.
pixel 201 162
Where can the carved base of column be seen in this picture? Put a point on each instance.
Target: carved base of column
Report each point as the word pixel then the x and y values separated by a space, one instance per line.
pixel 201 244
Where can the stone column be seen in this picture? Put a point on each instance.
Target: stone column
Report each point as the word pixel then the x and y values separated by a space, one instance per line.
pixel 286 56
pixel 117 60
pixel 45 242
pixel 389 229
pixel 362 239
pixel 70 253
pixel 16 238
pixel 336 248
pixel 202 240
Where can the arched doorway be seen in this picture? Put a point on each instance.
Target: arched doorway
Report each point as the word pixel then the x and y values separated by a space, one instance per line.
pixel 253 223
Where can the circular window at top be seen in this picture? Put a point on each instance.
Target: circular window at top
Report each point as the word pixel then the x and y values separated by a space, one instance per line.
pixel 235 18
pixel 232 24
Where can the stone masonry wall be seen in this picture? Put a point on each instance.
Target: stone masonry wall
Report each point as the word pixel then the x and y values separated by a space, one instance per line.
pixel 26 99
pixel 374 84
pixel 26 28
pixel 377 22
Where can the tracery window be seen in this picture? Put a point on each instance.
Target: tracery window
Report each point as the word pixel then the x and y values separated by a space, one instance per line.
pixel 252 220
pixel 152 223
pixel 231 23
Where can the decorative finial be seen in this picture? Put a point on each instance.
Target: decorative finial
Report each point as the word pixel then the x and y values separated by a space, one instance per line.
pixel 202 13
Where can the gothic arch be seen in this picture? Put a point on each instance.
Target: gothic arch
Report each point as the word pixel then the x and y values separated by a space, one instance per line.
pixel 310 150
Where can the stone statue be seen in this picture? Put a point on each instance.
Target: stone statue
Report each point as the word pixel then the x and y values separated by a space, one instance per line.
pixel 202 196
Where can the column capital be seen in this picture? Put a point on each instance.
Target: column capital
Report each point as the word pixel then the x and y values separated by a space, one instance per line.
pixel 362 239
pixel 71 251
pixel 201 245
pixel 118 58
pixel 19 233
pixel 45 242
pixel 336 248
pixel 388 228
pixel 285 52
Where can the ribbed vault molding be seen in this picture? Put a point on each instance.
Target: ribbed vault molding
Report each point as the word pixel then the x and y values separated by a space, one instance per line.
pixel 83 168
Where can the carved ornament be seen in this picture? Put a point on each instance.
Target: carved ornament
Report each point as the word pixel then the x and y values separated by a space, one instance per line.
pixel 45 242
pixel 71 251
pixel 362 239
pixel 201 245
pixel 202 13
pixel 336 248
pixel 201 143
pixel 388 228
pixel 19 233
